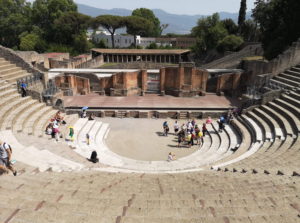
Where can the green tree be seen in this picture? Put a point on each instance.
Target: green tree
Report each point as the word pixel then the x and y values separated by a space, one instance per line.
pixel 32 42
pixel 230 26
pixel 149 15
pixel 209 31
pixel 250 31
pixel 230 43
pixel 69 26
pixel 242 14
pixel 278 21
pixel 14 20
pixel 152 46
pixel 45 12
pixel 111 23
pixel 137 26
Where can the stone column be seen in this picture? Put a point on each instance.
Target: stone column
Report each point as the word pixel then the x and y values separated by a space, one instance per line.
pixel 180 79
pixel 144 81
pixel 162 80
pixel 126 58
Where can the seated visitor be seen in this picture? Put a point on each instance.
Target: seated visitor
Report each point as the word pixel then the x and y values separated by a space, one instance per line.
pixel 91 117
pixel 171 157
pixel 208 120
pixel 94 157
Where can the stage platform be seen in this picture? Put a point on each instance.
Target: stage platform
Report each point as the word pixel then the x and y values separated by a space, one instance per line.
pixel 208 102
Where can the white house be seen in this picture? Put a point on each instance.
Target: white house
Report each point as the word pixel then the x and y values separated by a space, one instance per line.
pixel 121 41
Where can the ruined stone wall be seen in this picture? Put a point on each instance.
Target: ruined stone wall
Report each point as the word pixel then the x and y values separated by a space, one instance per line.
pixel 90 63
pixel 171 74
pixel 234 59
pixel 229 83
pixel 13 57
pixel 287 59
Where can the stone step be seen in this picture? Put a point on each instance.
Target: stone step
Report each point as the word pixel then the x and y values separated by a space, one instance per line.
pixel 294 95
pixel 259 134
pixel 294 71
pixel 291 100
pixel 265 127
pixel 284 124
pixel 287 81
pixel 288 106
pixel 14 74
pixel 282 84
pixel 8 122
pixel 7 109
pixel 275 128
pixel 16 77
pixel 295 78
pixel 294 121
pixel 9 70
pixel 5 66
pixel 31 122
pixel 39 125
pixel 7 92
pixel 20 121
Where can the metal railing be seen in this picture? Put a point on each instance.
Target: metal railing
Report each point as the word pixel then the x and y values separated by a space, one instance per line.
pixel 29 80
pixel 51 89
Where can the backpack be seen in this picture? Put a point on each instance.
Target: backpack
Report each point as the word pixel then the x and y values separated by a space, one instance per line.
pixel 9 147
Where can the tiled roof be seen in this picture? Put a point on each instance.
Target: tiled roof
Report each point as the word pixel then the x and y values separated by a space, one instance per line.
pixel 141 51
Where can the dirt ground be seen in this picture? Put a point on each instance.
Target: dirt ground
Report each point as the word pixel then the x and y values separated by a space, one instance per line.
pixel 142 139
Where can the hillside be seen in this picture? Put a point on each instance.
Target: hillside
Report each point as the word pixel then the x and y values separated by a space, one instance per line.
pixel 180 24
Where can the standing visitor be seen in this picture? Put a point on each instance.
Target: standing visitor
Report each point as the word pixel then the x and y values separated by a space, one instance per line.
pixel 176 127
pixel 5 158
pixel 204 129
pixel 71 133
pixel 87 139
pixel 23 89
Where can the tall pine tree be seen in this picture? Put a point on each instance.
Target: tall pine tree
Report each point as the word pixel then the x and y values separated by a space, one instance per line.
pixel 242 15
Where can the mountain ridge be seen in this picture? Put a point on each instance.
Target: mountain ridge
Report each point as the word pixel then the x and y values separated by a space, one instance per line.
pixel 178 23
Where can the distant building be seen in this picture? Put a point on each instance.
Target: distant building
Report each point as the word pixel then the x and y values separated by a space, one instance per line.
pixel 121 41
pixel 125 41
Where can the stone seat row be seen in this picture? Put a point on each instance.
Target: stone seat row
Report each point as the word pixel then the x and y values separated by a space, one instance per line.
pixel 277 126
pixel 120 197
pixel 22 114
pixel 10 72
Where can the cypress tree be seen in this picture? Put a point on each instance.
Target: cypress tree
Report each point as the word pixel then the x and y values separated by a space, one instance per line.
pixel 242 14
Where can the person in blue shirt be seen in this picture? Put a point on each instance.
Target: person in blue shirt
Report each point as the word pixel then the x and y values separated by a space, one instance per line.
pixel 24 89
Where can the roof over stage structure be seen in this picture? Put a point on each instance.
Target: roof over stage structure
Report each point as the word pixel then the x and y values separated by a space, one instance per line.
pixel 142 55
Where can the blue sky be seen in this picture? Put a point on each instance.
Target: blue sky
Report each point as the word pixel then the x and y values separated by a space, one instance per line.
pixel 190 7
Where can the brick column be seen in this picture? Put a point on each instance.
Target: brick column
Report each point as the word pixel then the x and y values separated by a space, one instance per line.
pixel 235 82
pixel 144 81
pixel 125 79
pixel 180 80
pixel 162 80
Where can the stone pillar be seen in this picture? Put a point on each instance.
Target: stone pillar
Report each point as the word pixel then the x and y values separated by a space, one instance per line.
pixel 162 80
pixel 193 79
pixel 235 82
pixel 180 79
pixel 144 81
pixel 86 85
pixel 126 58
pixel 204 78
pixel 125 78
pixel 114 81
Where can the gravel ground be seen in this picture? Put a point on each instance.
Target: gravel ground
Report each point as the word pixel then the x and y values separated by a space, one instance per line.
pixel 142 139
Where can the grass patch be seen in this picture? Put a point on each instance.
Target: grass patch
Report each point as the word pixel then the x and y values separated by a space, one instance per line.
pixel 254 58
